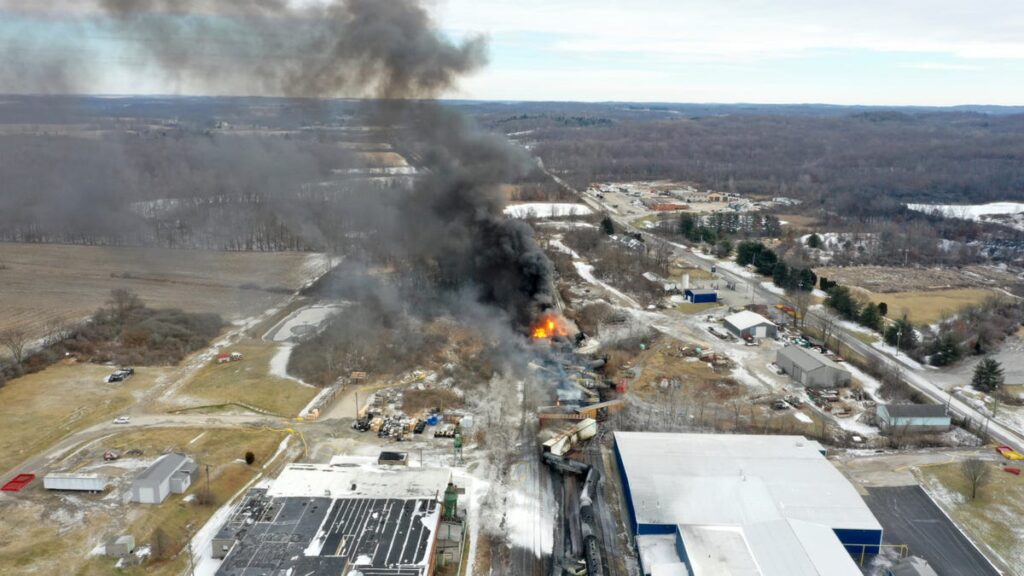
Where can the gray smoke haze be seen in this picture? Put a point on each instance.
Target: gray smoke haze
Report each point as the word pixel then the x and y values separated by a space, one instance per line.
pixel 358 48
pixel 451 222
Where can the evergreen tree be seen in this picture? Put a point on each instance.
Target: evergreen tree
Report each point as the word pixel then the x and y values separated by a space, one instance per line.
pixel 807 280
pixel 689 227
pixel 840 300
pixel 814 241
pixel 901 333
pixel 765 262
pixel 747 251
pixel 948 351
pixel 883 308
pixel 988 376
pixel 780 274
pixel 607 226
pixel 724 248
pixel 870 316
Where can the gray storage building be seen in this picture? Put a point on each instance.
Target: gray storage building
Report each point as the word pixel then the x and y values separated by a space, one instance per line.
pixel 171 473
pixel 913 417
pixel 750 324
pixel 811 368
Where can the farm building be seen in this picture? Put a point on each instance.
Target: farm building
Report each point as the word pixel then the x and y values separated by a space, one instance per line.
pixel 696 296
pixel 339 519
pixel 75 481
pixel 749 324
pixel 811 369
pixel 913 417
pixel 171 473
pixel 714 504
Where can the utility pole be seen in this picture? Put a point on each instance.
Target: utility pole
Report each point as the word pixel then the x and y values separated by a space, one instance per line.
pixel 209 495
pixel 357 405
pixel 898 335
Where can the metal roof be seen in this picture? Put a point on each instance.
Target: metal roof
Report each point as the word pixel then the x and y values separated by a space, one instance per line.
pixel 747 319
pixel 808 360
pixel 162 469
pixel 916 410
pixel 778 495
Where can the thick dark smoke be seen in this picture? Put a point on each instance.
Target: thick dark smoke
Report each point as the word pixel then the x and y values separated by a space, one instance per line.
pixel 387 50
pixel 360 48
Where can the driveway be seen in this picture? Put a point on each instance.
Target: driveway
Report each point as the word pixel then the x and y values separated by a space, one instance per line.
pixel 909 516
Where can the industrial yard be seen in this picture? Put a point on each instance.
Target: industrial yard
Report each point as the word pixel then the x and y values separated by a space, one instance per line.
pixel 313 313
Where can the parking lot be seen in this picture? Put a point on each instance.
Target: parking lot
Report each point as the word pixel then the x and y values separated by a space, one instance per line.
pixel 908 516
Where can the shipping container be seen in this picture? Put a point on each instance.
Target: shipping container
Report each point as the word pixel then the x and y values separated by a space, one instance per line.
pixel 78 482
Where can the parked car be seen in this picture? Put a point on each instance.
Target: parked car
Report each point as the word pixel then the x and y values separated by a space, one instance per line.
pixel 122 420
pixel 121 375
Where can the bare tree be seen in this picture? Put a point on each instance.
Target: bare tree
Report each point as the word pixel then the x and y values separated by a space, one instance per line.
pixel 977 473
pixel 826 325
pixel 15 340
pixel 122 303
pixel 801 301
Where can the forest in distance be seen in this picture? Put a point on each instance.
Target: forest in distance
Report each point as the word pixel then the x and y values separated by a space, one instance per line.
pixel 858 161
pixel 251 173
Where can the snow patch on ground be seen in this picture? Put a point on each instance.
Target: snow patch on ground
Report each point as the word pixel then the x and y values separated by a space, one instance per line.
pixel 546 210
pixel 771 287
pixel 802 417
pixel 557 244
pixel 303 322
pixel 1009 213
pixel 279 364
pixel 736 269
pixel 586 271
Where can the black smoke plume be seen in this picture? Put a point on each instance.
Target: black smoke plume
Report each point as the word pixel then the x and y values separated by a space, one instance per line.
pixel 451 222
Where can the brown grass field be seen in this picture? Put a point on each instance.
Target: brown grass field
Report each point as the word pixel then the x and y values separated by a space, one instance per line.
pixel 39 409
pixel 37 539
pixel 248 381
pixel 928 307
pixel 43 282
pixel 993 518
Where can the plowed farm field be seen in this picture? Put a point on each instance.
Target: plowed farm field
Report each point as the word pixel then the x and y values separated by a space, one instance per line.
pixel 40 283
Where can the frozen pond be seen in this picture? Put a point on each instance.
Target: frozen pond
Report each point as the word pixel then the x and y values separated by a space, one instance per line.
pixel 303 322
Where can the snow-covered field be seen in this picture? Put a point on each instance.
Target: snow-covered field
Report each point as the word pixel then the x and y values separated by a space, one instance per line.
pixel 546 210
pixel 1009 213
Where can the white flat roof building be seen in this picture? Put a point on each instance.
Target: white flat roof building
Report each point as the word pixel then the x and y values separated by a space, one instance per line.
pixel 745 505
pixel 358 481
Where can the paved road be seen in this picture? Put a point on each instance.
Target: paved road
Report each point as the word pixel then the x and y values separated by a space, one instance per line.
pixel 917 379
pixel 908 516
pixel 55 453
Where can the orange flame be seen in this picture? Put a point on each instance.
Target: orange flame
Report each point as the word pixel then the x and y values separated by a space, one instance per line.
pixel 548 326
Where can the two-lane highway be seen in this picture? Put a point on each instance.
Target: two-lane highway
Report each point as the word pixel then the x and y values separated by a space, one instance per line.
pixel 916 379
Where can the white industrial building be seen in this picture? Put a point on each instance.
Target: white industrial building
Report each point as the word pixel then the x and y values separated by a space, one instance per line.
pixel 171 473
pixel 751 324
pixel 741 505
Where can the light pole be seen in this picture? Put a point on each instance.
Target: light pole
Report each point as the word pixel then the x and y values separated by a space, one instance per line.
pixel 898 335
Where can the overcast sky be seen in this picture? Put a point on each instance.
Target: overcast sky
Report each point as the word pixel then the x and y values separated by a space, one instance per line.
pixel 923 52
